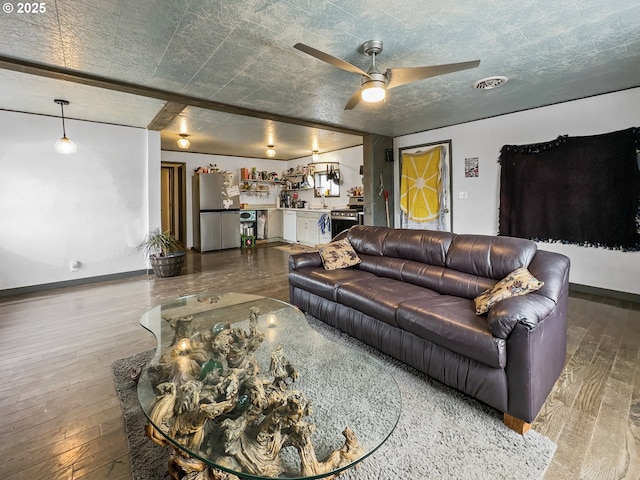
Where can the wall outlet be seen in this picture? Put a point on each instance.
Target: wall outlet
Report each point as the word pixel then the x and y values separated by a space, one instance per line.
pixel 463 195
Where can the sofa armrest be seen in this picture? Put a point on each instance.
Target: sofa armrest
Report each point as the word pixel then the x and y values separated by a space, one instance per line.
pixel 526 309
pixel 535 359
pixel 304 260
pixel 548 267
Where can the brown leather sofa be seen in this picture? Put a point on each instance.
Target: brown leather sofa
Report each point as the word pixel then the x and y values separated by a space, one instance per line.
pixel 411 297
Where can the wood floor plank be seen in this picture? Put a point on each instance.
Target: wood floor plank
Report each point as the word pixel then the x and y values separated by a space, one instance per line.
pixel 57 347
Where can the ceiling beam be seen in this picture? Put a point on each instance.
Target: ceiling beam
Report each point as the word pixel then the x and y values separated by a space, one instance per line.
pixel 166 115
pixel 58 73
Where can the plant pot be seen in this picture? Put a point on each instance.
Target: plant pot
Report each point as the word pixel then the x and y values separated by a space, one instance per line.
pixel 168 266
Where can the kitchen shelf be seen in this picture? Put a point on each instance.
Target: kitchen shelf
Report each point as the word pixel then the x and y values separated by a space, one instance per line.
pixel 256 193
pixel 296 189
pixel 267 182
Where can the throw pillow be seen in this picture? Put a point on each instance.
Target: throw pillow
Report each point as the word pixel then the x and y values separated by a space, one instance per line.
pixel 518 282
pixel 339 254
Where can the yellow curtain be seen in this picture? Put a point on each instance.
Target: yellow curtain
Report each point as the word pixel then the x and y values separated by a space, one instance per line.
pixel 421 185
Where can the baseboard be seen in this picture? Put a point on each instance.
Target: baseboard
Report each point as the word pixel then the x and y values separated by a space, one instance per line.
pixel 71 283
pixel 603 292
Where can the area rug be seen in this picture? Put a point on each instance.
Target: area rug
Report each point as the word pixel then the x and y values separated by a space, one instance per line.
pixel 441 434
pixel 295 248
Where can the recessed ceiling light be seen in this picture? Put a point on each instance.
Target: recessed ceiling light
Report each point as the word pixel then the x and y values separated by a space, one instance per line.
pixel 490 82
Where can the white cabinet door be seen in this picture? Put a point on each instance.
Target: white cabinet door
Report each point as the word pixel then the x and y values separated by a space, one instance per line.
pixel 308 228
pixel 302 228
pixel 289 226
pixel 274 224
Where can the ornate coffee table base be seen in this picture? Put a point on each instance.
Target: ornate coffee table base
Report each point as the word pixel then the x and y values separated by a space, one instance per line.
pixel 183 467
pixel 201 377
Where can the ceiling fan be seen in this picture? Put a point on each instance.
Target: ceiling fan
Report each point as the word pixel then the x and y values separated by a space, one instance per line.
pixel 375 84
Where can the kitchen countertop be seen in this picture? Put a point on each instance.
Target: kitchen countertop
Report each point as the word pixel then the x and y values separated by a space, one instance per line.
pixel 312 210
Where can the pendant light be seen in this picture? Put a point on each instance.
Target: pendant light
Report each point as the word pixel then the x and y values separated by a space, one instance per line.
pixel 64 145
pixel 271 151
pixel 315 156
pixel 183 143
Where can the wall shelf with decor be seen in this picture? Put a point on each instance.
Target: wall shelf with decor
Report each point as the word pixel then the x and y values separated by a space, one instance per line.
pixel 296 189
pixel 258 188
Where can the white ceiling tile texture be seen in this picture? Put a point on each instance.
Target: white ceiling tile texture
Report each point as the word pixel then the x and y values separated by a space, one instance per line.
pixel 241 53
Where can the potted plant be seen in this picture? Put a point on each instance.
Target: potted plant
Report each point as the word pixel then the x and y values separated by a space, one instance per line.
pixel 165 253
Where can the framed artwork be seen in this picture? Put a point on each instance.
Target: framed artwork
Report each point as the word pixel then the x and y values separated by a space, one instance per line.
pixel 425 186
pixel 471 167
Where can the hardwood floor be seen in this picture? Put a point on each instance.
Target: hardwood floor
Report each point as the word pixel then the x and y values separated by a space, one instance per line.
pixel 60 417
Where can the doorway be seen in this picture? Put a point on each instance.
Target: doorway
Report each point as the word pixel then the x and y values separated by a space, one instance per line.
pixel 173 200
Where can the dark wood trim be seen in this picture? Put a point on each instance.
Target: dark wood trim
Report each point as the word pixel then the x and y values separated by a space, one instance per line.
pixel 603 292
pixel 71 283
pixel 59 73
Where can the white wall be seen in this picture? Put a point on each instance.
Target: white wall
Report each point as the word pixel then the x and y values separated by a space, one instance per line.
pixel 350 160
pixel 594 267
pixel 91 206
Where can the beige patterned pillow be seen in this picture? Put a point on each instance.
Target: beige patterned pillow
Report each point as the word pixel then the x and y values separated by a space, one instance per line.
pixel 339 254
pixel 518 282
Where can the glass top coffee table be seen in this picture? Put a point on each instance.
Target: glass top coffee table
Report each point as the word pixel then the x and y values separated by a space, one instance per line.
pixel 241 386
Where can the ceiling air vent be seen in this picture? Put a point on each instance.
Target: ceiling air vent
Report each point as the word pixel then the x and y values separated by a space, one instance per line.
pixel 489 83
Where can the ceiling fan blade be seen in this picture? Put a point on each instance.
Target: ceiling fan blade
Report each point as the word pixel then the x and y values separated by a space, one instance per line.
pixel 331 60
pixel 402 76
pixel 353 101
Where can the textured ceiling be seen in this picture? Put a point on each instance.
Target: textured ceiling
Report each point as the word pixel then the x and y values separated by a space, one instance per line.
pixel 238 57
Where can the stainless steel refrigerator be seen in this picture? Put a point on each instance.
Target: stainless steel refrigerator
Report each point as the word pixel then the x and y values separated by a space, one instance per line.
pixel 216 212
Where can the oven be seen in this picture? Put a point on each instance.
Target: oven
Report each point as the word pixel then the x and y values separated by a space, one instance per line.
pixel 342 220
pixel 345 218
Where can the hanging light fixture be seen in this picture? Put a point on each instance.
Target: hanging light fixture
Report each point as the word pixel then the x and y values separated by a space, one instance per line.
pixel 64 145
pixel 183 143
pixel 315 156
pixel 271 151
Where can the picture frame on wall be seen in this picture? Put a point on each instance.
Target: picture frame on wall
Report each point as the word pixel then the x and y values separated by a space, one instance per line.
pixel 425 187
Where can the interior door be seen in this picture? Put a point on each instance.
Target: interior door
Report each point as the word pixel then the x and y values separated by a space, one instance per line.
pixel 173 202
pixel 166 200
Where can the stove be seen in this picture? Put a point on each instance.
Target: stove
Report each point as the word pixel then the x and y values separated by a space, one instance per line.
pixel 344 218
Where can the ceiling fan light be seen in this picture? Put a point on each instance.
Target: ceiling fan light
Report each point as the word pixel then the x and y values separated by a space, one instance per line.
pixel 65 146
pixel 183 143
pixel 271 151
pixel 373 92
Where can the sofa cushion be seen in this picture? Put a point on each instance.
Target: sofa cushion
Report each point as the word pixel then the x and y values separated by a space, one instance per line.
pixel 518 282
pixel 487 256
pixel 379 297
pixel 323 282
pixel 425 246
pixel 339 254
pixel 451 322
pixel 367 239
pixel 389 267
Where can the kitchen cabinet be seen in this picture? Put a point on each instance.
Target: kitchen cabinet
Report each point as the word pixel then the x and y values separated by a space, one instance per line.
pixel 307 228
pixel 217 230
pixel 289 226
pixel 274 224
